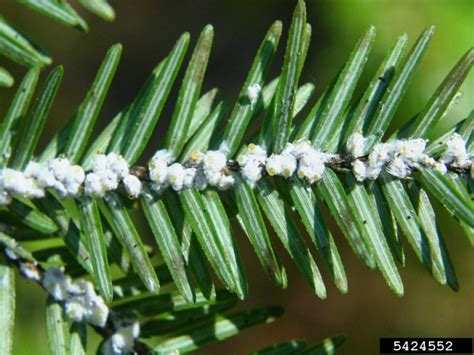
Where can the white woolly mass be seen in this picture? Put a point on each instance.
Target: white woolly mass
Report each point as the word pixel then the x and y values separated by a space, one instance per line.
pixel 253 91
pixel 158 166
pixel 311 162
pixel 398 157
pixel 121 342
pixel 398 167
pixel 59 167
pixel 188 177
pixel 61 176
pixel 281 164
pixel 176 176
pixel 360 170
pixel 81 303
pixel 99 163
pixel 110 169
pixel 204 169
pixel 300 156
pixel 274 164
pixel 252 162
pixel 93 185
pixel 57 283
pixel 456 153
pixel 214 164
pixel 31 273
pixel 225 182
pixel 107 173
pixel 57 173
pixel 132 185
pixel 95 310
pixel 46 178
pixel 288 165
pixel 355 145
pixel 109 180
pixel 118 165
pixel 298 149
pixel 15 182
pixel 312 165
pixel 32 169
pixel 75 311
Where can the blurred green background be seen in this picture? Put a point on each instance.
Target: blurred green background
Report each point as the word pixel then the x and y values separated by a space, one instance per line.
pixel 148 28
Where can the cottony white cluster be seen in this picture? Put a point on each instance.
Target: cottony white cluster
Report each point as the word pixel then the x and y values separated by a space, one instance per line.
pixel 311 162
pixel 121 342
pixel 204 169
pixel 58 174
pixel 399 157
pixel 253 91
pixel 308 162
pixel 211 168
pixel 355 145
pixel 163 173
pixel 28 270
pixel 69 180
pixel 107 172
pixel 456 153
pixel 81 303
pixel 252 162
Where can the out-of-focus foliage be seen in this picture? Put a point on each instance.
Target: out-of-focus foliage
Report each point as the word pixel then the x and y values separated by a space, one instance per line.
pixel 342 20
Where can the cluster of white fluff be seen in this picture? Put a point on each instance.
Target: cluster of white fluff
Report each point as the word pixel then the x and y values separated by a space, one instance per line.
pixel 213 170
pixel 252 162
pixel 81 303
pixel 164 173
pixel 122 341
pixel 253 91
pixel 107 172
pixel 309 163
pixel 28 270
pixel 456 153
pixel 58 174
pixel 399 157
pixel 204 169
pixel 69 180
pixel 355 145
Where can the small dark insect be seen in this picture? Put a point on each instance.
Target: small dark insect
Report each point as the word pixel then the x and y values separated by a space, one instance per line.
pixel 140 172
pixel 232 165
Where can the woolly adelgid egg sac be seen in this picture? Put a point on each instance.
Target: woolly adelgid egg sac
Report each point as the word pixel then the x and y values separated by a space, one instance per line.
pixel 398 157
pixel 253 92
